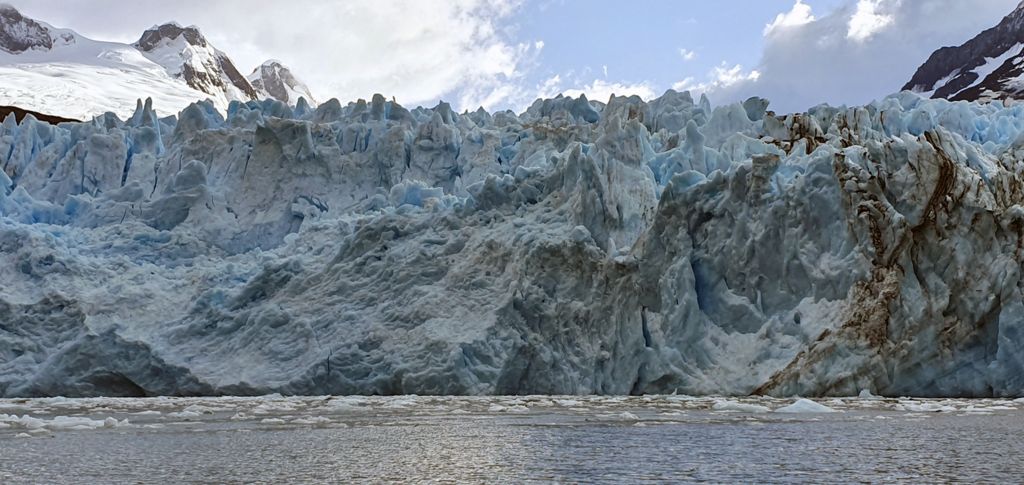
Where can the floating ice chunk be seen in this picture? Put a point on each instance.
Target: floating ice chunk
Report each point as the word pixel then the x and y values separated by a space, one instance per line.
pixel 866 394
pixel 805 406
pixel 183 414
pixel 924 407
pixel 736 406
pixel 60 423
pixel 197 408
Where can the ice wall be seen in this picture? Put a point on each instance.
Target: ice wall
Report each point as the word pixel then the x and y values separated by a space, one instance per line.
pixel 579 247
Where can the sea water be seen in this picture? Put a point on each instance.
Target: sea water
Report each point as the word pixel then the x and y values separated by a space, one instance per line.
pixel 542 439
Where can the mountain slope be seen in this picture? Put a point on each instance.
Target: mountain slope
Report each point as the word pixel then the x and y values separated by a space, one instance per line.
pixel 80 78
pixel 185 53
pixel 987 67
pixel 18 34
pixel 274 80
pixel 63 73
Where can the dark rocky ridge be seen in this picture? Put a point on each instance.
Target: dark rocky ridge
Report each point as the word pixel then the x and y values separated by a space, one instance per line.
pixel 19 33
pixel 152 37
pixel 275 79
pixel 202 78
pixel 20 114
pixel 967 57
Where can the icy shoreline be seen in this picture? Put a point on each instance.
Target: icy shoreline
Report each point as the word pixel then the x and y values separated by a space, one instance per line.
pixel 578 248
pixel 46 416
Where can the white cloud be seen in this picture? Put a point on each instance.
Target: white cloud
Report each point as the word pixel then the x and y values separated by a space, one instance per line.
pixel 690 84
pixel 601 90
pixel 549 88
pixel 687 54
pixel 727 76
pixel 866 21
pixel 596 90
pixel 416 50
pixel 800 14
pixel 499 92
pixel 863 50
pixel 720 77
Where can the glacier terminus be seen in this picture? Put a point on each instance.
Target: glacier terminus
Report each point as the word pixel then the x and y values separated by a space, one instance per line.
pixel 581 247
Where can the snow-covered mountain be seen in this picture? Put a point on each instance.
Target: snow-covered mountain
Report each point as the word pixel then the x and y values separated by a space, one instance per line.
pixel 63 73
pixel 18 34
pixel 275 80
pixel 987 67
pixel 580 247
pixel 186 55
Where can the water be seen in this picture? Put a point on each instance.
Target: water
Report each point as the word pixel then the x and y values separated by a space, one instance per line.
pixel 533 439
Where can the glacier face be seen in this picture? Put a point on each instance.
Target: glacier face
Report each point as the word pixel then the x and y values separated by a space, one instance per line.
pixel 580 247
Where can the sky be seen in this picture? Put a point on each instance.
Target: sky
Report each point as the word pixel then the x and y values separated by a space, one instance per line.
pixel 504 54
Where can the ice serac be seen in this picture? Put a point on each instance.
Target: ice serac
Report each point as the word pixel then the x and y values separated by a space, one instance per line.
pixel 580 247
pixel 276 81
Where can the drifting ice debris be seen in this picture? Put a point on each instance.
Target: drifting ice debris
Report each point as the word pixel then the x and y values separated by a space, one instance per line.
pixel 581 247
pixel 734 406
pixel 805 406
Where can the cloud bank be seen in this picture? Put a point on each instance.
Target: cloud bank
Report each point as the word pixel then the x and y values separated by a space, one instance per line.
pixel 862 51
pixel 468 52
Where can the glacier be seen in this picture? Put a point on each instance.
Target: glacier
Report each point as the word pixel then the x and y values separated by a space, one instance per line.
pixel 579 247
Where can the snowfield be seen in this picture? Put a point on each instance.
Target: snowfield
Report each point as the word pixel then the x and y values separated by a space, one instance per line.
pixel 578 248
pixel 80 78
pixel 61 72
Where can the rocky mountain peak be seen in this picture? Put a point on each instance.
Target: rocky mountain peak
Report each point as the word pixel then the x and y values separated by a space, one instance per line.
pixel 152 38
pixel 275 80
pixel 186 54
pixel 988 67
pixel 19 33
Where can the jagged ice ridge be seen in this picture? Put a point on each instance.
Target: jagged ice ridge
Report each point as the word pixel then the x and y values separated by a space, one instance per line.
pixel 580 247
